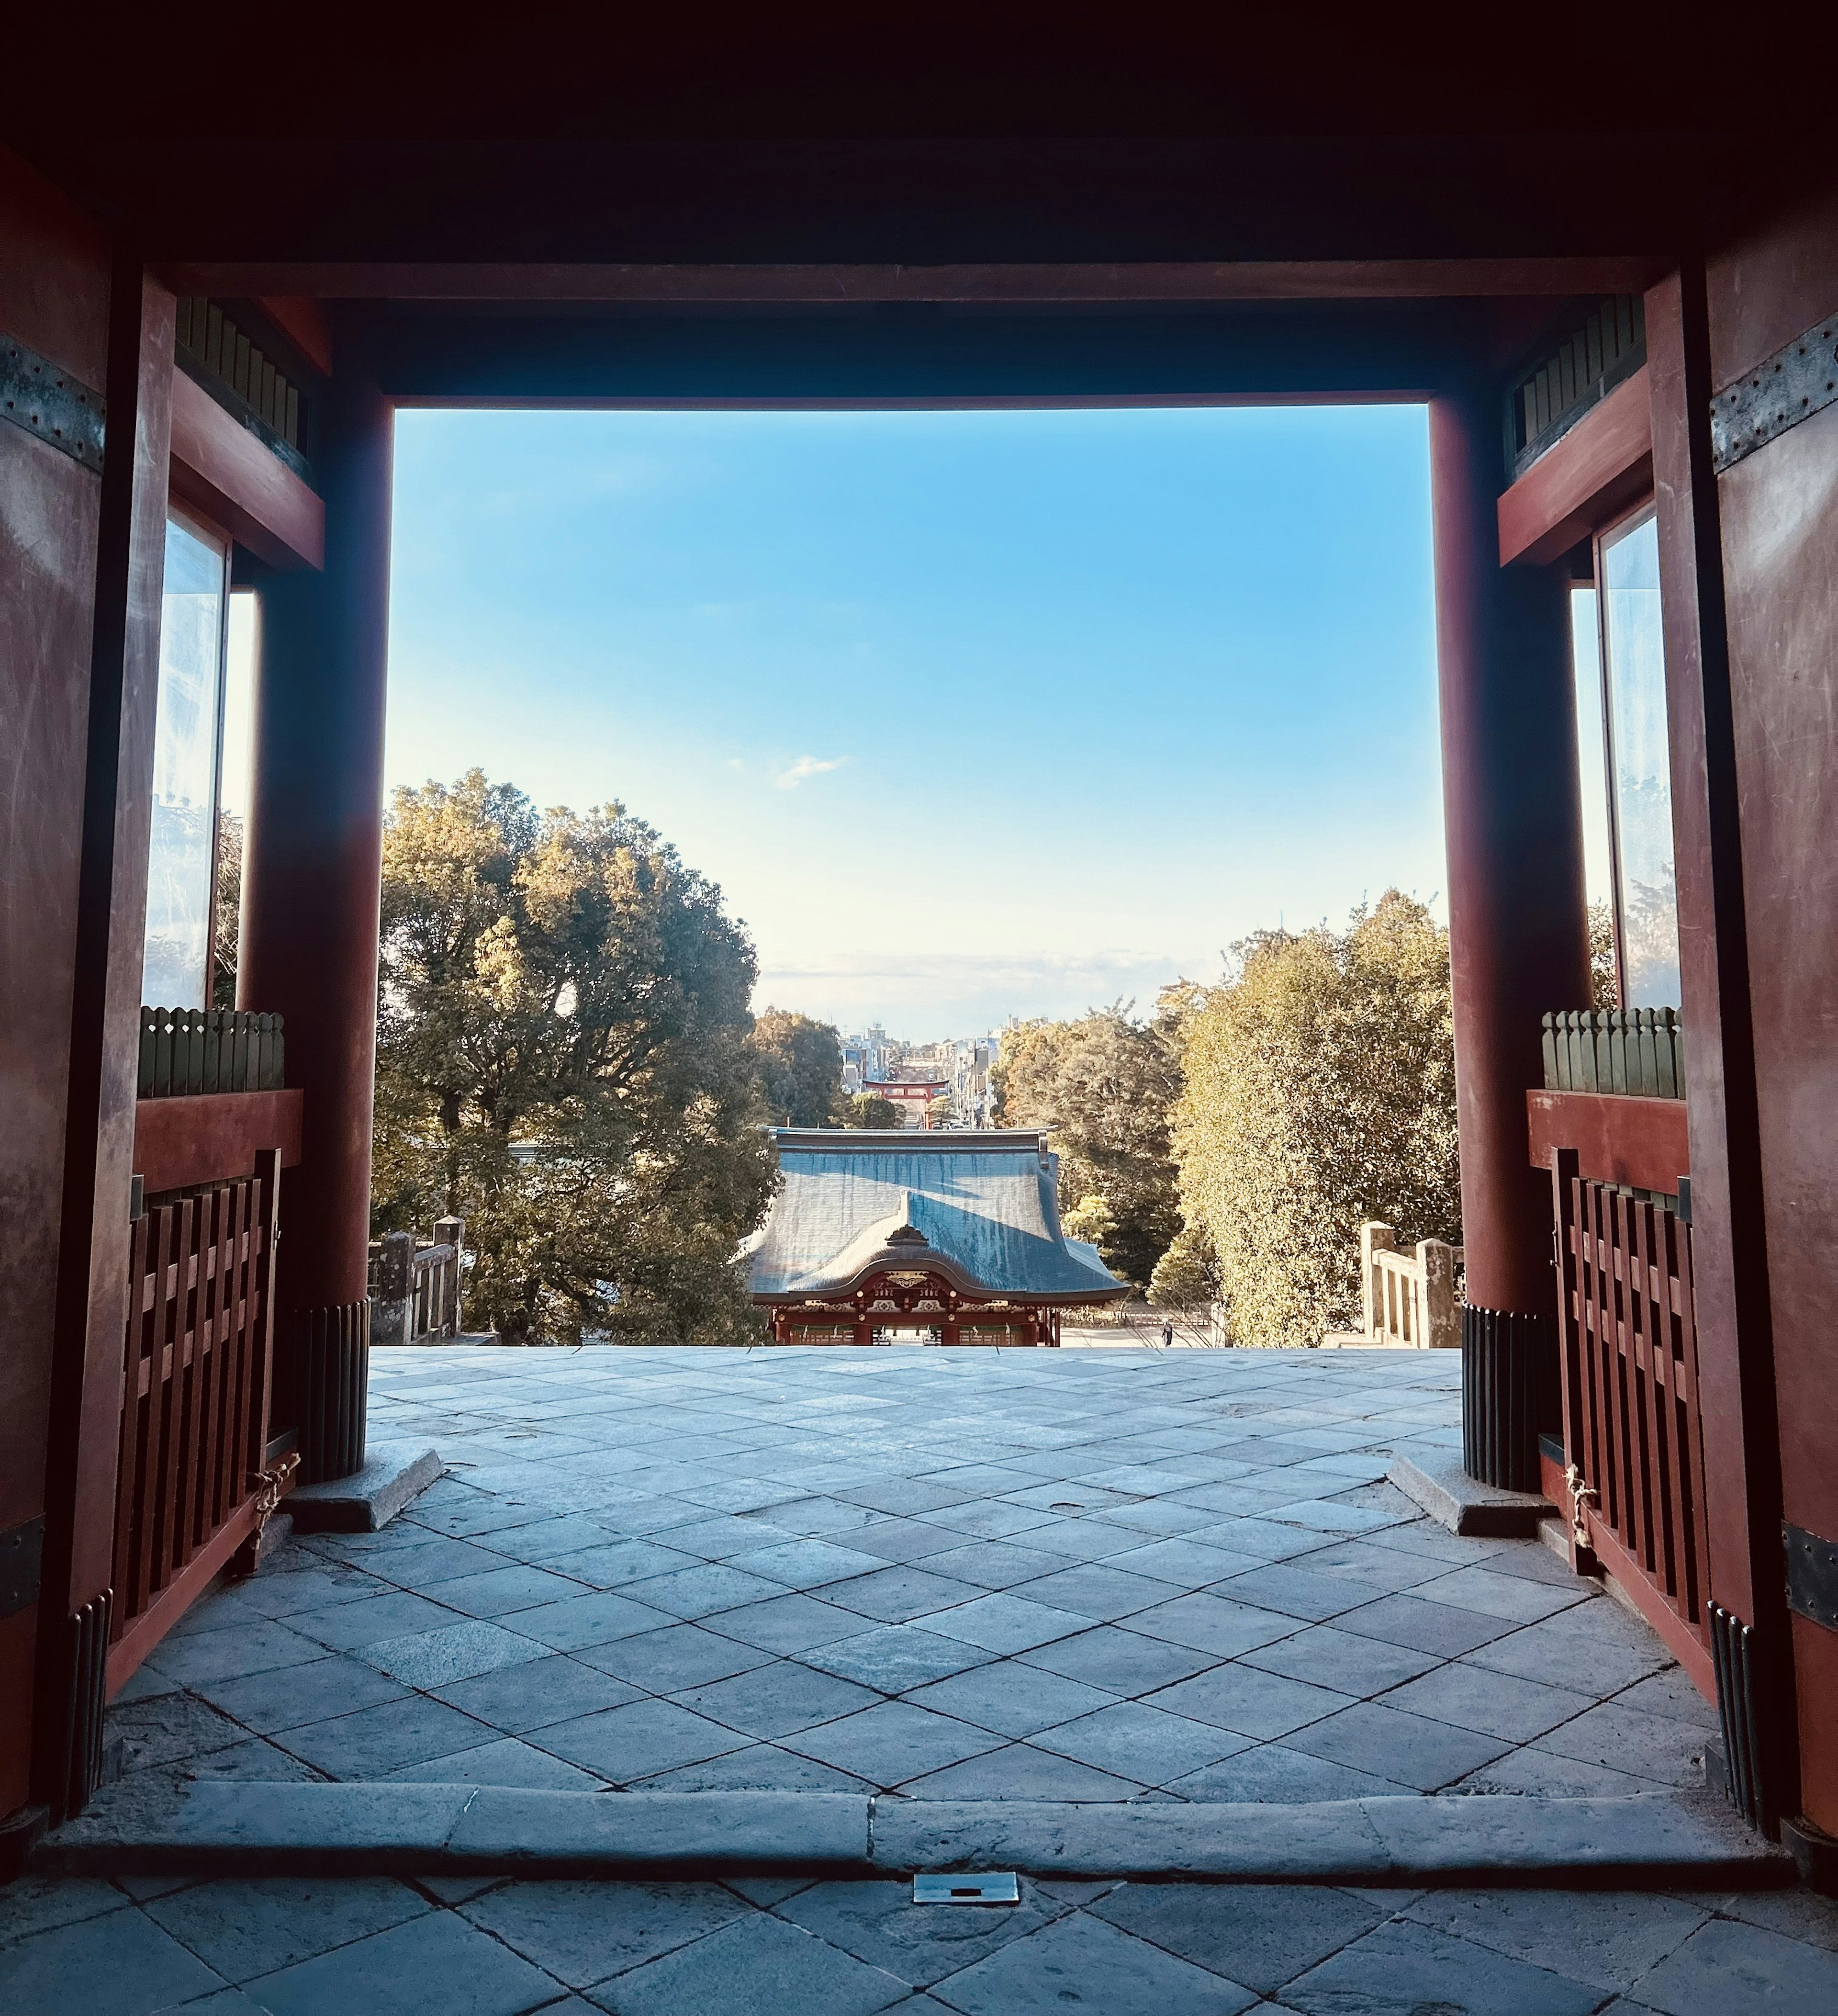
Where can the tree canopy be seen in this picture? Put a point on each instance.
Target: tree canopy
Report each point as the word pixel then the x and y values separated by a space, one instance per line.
pixel 562 1059
pixel 1319 1092
pixel 800 1068
pixel 872 1109
pixel 1102 1086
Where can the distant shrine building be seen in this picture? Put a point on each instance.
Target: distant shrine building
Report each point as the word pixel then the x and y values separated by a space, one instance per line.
pixel 955 1236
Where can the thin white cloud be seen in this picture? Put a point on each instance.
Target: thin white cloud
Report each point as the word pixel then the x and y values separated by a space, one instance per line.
pixel 807 766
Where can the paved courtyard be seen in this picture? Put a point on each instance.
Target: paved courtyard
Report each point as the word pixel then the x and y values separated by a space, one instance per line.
pixel 379 1947
pixel 1093 1576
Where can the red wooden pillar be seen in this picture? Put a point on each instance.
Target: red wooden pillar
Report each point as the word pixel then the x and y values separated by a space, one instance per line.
pixel 1518 925
pixel 311 874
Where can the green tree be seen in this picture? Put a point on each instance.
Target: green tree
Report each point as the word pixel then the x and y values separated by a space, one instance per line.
pixel 1102 1086
pixel 1604 987
pixel 562 1060
pixel 1319 1090
pixel 1187 1276
pixel 228 921
pixel 870 1109
pixel 800 1068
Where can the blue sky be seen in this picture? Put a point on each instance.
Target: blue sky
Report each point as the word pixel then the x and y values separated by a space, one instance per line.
pixel 970 713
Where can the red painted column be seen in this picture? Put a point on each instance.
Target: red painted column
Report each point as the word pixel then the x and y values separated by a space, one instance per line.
pixel 311 875
pixel 1518 924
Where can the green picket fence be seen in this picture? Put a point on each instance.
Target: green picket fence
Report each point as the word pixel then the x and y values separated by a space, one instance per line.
pixel 184 1050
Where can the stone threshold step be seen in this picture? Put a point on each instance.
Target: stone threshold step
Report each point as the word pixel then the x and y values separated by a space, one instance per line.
pixel 218 1827
pixel 1435 1480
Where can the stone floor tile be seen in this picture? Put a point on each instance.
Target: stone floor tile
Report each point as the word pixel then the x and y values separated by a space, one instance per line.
pixel 995 1564
pixel 1079 1962
pixel 224 2002
pixel 1430 1541
pixel 499 1592
pixel 246 1648
pixel 757 1966
pixel 1080 1539
pixel 122 1964
pixel 1492 1704
pixel 1099 1590
pixel 459 1651
pixel 1136 1741
pixel 1294 1589
pixel 325 1583
pixel 1206 1623
pixel 1007 1624
pixel 1251 1701
pixel 621 1744
pixel 1401 1969
pixel 983 1518
pixel 1066 1496
pixel 29 1904
pixel 145 1683
pixel 898 1595
pixel 1670 1693
pixel 757 1767
pixel 1012 1698
pixel 611 1564
pixel 165 1730
pixel 1331 1515
pixel 348 1627
pixel 698 1593
pixel 680 1655
pixel 1274 1774
pixel 892 1742
pixel 880 1922
pixel 1019 1771
pixel 1624 1738
pixel 1425 1627
pixel 538 1691
pixel 240 1929
pixel 1516 1598
pixel 1797 1914
pixel 1121 1662
pixel 894 1658
pixel 727 1534
pixel 1329 1657
pixel 1161 1518
pixel 1413 1749
pixel 789 1624
pixel 1598 1640
pixel 288 1696
pixel 1729 1969
pixel 1609 1938
pixel 806 1564
pixel 435 1965
pixel 579 1621
pixel 505 1761
pixel 585 1933
pixel 776 1700
pixel 820 1515
pixel 1380 1570
pixel 436 1560
pixel 1261 1934
pixel 544 1541
pixel 1532 1769
pixel 908 1496
pixel 259 1759
pixel 374 1740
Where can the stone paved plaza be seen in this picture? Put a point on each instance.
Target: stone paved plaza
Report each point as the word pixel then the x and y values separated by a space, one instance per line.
pixel 1079 1575
pixel 378 1947
pixel 1093 1576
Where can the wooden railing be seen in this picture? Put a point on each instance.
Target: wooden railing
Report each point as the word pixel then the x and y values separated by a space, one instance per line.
pixel 191 1486
pixel 414 1290
pixel 1408 1298
pixel 189 1050
pixel 1633 1438
pixel 1635 1052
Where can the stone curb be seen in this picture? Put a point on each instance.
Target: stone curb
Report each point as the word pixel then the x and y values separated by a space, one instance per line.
pixel 393 1472
pixel 1435 1480
pixel 227 1827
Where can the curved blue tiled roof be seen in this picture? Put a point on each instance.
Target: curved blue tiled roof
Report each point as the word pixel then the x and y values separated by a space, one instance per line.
pixel 983 1203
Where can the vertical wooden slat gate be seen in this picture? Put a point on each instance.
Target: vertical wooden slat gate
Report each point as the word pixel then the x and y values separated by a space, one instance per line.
pixel 1633 1429
pixel 191 1487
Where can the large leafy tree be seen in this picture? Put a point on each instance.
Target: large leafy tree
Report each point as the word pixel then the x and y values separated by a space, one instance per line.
pixel 1102 1085
pixel 562 1059
pixel 800 1068
pixel 1319 1092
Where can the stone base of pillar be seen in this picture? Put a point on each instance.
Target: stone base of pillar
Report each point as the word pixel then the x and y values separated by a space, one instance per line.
pixel 1510 1391
pixel 329 1357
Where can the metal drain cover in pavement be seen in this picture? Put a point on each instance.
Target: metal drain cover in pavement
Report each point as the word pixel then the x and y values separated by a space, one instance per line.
pixel 1004 1889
